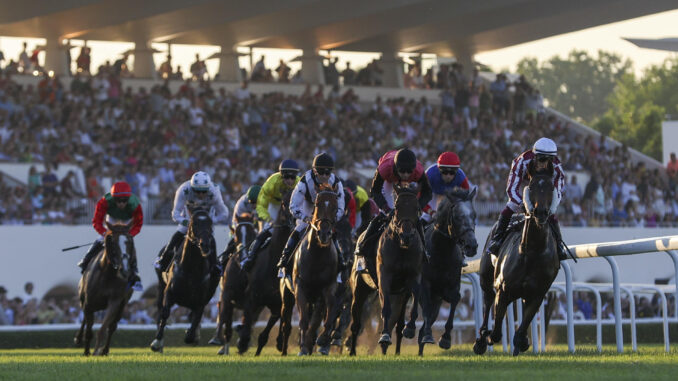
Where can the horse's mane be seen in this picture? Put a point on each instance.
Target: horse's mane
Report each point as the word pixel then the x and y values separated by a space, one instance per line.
pixel 458 193
pixel 325 187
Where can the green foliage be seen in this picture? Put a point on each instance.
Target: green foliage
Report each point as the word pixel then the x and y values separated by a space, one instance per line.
pixel 578 84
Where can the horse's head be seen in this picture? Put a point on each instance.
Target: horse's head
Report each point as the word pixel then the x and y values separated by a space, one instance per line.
pixel 244 231
pixel 200 231
pixel 113 243
pixel 284 214
pixel 406 214
pixel 459 216
pixel 325 212
pixel 538 196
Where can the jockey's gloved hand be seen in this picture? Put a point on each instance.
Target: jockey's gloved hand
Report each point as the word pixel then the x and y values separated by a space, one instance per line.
pixel 307 219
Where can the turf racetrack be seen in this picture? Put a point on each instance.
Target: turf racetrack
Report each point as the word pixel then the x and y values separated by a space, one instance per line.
pixel 187 363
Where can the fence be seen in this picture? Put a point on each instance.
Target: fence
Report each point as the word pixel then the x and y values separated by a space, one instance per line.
pixel 607 250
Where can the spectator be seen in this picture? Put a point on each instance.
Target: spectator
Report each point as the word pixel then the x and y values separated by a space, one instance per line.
pixel 50 181
pixel 348 74
pixel 672 166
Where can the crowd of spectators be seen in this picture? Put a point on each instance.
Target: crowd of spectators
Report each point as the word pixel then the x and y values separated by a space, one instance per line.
pixel 156 139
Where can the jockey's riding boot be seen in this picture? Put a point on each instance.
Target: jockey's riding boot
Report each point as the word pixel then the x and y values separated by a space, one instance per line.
pixel 163 261
pixel 369 233
pixel 91 253
pixel 287 251
pixel 420 230
pixel 256 245
pixel 495 241
pixel 555 226
pixel 228 251
pixel 341 263
pixel 134 279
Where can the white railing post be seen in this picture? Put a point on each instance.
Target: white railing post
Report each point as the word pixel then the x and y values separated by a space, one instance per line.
pixel 632 313
pixel 674 258
pixel 617 304
pixel 542 327
pixel 570 306
pixel 511 323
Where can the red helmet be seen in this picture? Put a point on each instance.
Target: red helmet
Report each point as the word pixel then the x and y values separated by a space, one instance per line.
pixel 448 159
pixel 121 189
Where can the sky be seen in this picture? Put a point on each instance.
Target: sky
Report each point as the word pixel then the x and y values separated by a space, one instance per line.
pixel 607 37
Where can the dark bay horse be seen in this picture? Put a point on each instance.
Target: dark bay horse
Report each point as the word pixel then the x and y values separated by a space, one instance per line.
pixel 189 281
pixel 346 244
pixel 399 262
pixel 314 277
pixel 263 289
pixel 449 238
pixel 525 268
pixel 104 286
pixel 233 282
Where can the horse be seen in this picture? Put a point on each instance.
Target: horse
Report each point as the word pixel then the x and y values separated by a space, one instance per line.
pixel 263 286
pixel 314 277
pixel 105 286
pixel 346 245
pixel 189 282
pixel 233 282
pixel 449 238
pixel 400 254
pixel 525 267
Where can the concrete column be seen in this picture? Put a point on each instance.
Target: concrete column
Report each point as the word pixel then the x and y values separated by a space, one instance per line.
pixel 393 70
pixel 143 59
pixel 55 57
pixel 312 67
pixel 229 67
pixel 464 56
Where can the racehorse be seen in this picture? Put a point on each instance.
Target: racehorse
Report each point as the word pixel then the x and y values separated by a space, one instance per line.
pixel 342 310
pixel 399 261
pixel 190 282
pixel 525 268
pixel 105 285
pixel 314 277
pixel 451 236
pixel 263 286
pixel 233 282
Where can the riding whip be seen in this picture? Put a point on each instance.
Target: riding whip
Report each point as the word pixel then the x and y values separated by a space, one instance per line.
pixel 76 247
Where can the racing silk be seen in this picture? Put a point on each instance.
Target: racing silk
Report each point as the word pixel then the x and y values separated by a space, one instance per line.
pixel 360 196
pixel 521 168
pixel 385 176
pixel 107 206
pixel 271 193
pixel 304 194
pixel 186 201
pixel 439 187
pixel 350 206
pixel 243 206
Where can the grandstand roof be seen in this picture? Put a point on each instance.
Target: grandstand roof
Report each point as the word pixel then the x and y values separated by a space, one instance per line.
pixel 427 26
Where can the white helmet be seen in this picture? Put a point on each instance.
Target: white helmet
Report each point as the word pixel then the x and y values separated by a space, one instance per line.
pixel 200 181
pixel 545 146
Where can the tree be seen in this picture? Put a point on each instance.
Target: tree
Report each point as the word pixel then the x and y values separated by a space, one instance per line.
pixel 637 108
pixel 578 84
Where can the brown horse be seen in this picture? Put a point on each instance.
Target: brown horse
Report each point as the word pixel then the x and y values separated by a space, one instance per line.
pixel 189 282
pixel 263 286
pixel 399 262
pixel 314 277
pixel 104 286
pixel 525 268
pixel 233 283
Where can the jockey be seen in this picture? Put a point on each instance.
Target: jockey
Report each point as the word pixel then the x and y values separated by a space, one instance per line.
pixel 443 176
pixel 303 195
pixel 196 193
pixel 246 206
pixel 362 201
pixel 119 205
pixel 394 166
pixel 268 204
pixel 542 156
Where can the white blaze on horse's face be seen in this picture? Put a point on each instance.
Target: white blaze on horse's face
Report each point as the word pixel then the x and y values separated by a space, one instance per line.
pixel 327 204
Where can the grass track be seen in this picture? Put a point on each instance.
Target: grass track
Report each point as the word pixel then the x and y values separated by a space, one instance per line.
pixel 182 363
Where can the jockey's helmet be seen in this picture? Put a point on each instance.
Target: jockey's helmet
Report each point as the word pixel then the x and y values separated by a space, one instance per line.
pixel 405 161
pixel 350 184
pixel 323 160
pixel 121 190
pixel 288 165
pixel 449 159
pixel 545 147
pixel 253 194
pixel 200 181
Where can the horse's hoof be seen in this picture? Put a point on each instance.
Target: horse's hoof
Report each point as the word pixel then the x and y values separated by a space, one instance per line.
pixel 385 339
pixel 77 341
pixel 303 352
pixel 323 341
pixel 216 341
pixel 408 332
pixel 279 344
pixel 444 343
pixel 324 350
pixel 223 350
pixel 521 343
pixel 427 339
pixel 156 345
pixel 384 348
pixel 516 351
pixel 243 346
pixel 480 347
pixel 336 342
pixel 494 338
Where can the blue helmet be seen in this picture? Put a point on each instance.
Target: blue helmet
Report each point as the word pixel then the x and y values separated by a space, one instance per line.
pixel 288 165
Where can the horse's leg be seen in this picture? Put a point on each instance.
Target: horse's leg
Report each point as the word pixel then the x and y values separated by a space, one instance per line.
pixel 480 345
pixel 250 315
pixel 417 287
pixel 196 315
pixel 164 312
pixel 445 341
pixel 331 308
pixel 113 325
pixel 360 293
pixel 224 325
pixel 385 299
pixel 304 320
pixel 501 302
pixel 411 327
pixel 400 326
pixel 89 321
pixel 286 316
pixel 520 341
pixel 78 336
pixel 218 338
pixel 103 333
pixel 263 336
